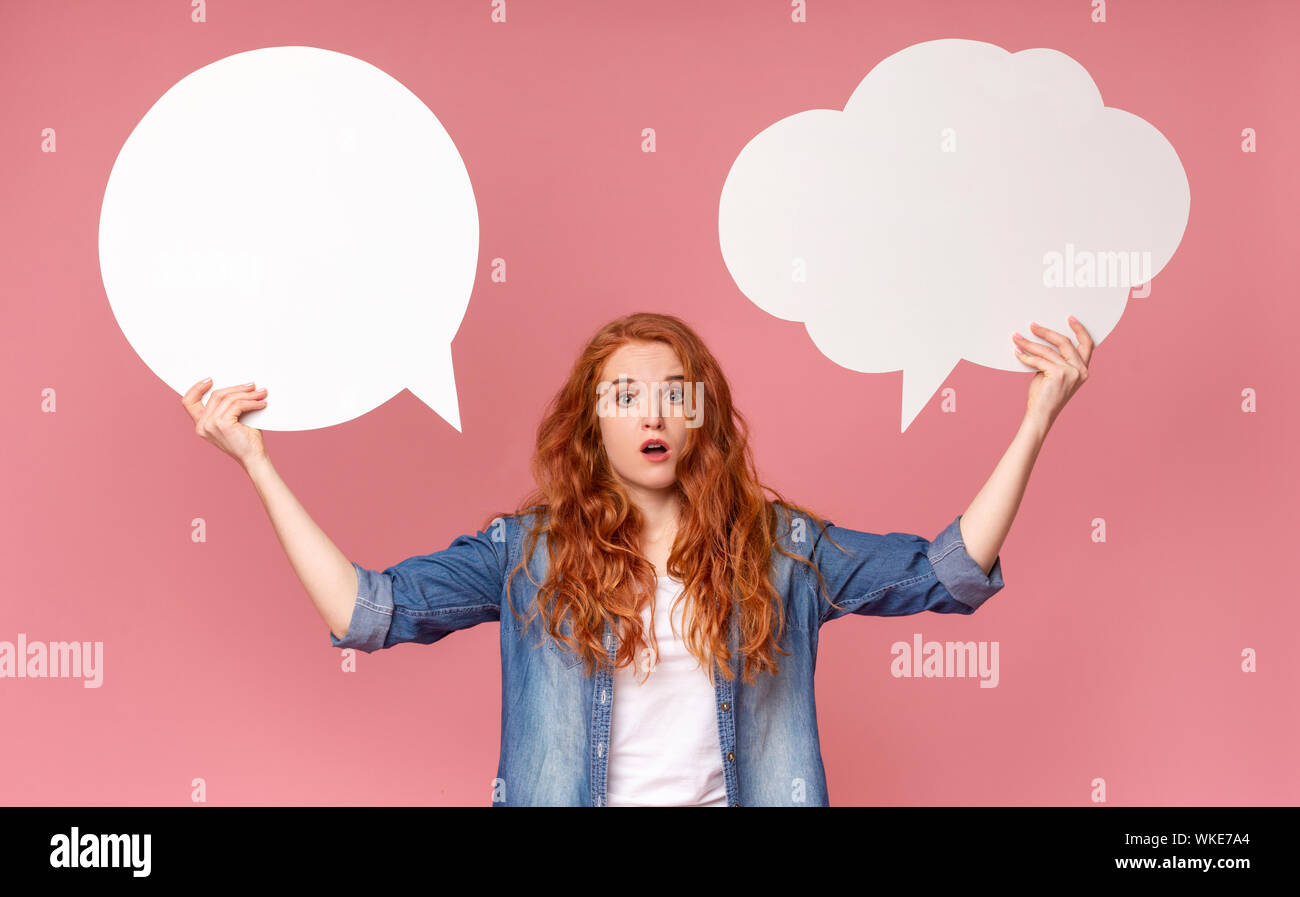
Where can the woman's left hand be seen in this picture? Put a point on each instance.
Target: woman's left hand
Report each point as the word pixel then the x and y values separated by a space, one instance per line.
pixel 1061 371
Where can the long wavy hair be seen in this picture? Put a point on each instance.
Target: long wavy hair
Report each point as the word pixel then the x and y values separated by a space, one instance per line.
pixel 726 530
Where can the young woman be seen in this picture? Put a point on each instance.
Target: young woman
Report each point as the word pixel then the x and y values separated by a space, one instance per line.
pixel 659 614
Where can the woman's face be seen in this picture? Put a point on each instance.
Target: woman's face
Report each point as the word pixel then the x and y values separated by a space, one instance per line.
pixel 640 398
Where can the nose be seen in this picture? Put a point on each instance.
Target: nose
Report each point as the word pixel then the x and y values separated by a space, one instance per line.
pixel 652 415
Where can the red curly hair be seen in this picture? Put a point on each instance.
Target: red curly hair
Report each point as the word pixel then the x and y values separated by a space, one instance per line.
pixel 725 535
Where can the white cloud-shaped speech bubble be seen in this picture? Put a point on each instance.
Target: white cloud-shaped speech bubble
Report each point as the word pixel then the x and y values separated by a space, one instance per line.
pixel 297 217
pixel 962 192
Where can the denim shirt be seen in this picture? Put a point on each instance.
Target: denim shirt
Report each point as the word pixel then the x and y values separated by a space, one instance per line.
pixel 555 719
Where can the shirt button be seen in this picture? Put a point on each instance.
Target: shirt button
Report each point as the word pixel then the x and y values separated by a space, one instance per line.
pixel 726 705
pixel 731 756
pixel 734 804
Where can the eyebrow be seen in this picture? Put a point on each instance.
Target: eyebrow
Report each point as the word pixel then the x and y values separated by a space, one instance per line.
pixel 622 380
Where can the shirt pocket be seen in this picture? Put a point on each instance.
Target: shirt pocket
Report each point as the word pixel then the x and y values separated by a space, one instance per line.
pixel 530 631
pixel 567 659
pixel 554 650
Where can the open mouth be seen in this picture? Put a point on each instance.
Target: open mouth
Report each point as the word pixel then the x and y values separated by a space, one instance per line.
pixel 654 448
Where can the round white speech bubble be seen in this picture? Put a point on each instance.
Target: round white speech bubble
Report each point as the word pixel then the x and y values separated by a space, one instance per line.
pixel 962 192
pixel 296 217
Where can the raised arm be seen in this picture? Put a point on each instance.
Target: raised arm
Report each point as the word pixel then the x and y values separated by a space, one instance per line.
pixel 960 569
pixel 1062 368
pixel 325 572
pixel 421 599
pixel 328 576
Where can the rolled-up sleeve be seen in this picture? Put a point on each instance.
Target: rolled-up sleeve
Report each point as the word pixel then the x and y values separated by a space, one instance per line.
pixel 427 597
pixel 957 570
pixel 896 574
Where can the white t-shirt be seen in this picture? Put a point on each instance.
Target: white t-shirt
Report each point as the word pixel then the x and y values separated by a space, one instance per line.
pixel 663 744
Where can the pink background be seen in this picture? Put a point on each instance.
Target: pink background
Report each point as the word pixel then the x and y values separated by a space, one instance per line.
pixel 1118 660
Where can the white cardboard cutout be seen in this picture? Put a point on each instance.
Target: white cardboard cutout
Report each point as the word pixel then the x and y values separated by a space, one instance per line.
pixel 297 217
pixel 915 227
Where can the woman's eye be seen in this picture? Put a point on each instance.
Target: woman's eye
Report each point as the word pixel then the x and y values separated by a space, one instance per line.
pixel 675 395
pixel 622 396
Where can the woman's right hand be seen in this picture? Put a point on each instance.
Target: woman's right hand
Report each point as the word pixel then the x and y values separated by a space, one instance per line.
pixel 218 420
